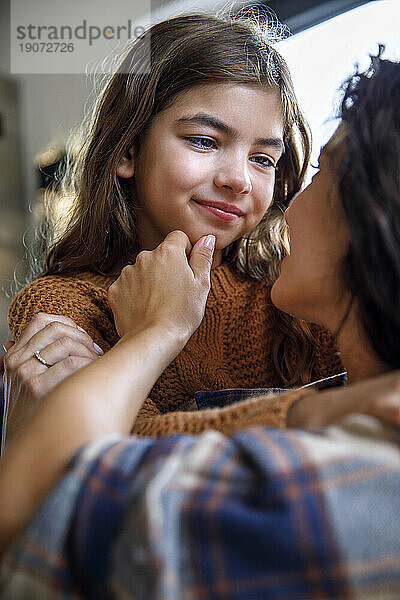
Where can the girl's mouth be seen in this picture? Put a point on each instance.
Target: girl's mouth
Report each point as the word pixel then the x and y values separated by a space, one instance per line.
pixel 220 211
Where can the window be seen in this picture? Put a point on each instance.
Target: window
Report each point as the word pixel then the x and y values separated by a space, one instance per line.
pixel 322 57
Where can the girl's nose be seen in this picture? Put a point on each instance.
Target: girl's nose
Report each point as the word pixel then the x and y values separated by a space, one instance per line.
pixel 234 177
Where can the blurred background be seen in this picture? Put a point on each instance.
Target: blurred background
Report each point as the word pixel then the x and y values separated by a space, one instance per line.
pixel 38 111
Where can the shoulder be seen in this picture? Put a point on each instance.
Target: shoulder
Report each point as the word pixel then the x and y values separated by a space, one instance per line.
pixel 83 297
pixel 227 282
pixel 52 286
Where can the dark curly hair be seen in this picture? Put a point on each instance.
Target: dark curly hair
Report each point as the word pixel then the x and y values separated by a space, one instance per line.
pixel 369 188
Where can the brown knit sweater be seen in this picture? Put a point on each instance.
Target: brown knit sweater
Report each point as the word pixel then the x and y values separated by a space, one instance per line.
pixel 232 348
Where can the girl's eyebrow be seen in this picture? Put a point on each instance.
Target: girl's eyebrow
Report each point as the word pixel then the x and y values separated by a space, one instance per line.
pixel 210 121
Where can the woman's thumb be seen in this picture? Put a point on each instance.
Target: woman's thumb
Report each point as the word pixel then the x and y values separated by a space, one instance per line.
pixel 201 256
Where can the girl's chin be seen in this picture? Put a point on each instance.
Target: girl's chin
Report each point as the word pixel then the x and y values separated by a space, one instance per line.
pixel 221 241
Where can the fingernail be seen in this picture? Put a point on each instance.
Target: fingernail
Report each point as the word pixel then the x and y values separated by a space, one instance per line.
pixel 9 342
pixel 80 329
pixel 209 242
pixel 98 349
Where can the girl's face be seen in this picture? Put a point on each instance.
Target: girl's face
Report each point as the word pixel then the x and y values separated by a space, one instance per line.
pixel 310 285
pixel 207 164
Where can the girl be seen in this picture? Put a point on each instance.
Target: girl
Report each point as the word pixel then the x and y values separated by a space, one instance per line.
pixel 198 130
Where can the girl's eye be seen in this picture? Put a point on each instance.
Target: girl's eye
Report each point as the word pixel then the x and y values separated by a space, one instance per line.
pixel 201 142
pixel 264 161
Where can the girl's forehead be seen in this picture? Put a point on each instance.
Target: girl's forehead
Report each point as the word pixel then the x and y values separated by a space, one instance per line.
pixel 225 89
pixel 236 102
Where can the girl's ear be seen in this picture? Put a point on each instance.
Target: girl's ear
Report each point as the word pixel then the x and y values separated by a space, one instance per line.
pixel 126 166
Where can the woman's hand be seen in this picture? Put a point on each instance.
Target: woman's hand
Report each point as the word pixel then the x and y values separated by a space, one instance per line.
pixel 164 289
pixel 378 397
pixel 62 344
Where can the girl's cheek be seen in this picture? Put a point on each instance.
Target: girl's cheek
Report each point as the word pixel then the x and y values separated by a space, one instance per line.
pixel 186 173
pixel 265 198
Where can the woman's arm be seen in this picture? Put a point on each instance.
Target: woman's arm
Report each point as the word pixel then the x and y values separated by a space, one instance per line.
pixel 103 397
pixel 156 319
pixel 378 397
pixel 304 408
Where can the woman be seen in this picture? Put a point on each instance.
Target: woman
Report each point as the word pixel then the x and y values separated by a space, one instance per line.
pixel 219 523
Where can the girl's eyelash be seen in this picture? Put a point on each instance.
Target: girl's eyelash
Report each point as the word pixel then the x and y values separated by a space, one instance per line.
pixel 314 166
pixel 208 143
pixel 269 163
pixel 199 141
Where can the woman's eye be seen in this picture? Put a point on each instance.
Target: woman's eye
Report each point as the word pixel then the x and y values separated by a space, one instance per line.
pixel 201 142
pixel 263 161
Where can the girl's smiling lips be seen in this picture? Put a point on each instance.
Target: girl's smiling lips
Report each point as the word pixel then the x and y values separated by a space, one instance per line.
pixel 221 210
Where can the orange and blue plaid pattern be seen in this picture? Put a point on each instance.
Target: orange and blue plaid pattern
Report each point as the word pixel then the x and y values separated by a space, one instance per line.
pixel 266 513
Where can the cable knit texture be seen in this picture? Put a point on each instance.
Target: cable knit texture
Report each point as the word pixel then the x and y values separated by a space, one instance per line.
pixel 232 348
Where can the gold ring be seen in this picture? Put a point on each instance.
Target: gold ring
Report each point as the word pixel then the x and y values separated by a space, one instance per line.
pixel 41 359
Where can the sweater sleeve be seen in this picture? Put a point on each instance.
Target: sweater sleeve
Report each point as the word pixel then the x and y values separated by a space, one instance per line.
pixel 80 300
pixel 269 411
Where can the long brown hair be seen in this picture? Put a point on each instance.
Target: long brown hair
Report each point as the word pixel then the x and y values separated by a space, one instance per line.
pixel 166 60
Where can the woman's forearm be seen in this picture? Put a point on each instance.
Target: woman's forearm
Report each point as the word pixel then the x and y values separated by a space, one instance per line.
pixel 101 398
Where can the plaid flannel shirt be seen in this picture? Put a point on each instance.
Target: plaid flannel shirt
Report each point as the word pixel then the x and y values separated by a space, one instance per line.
pixel 263 514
